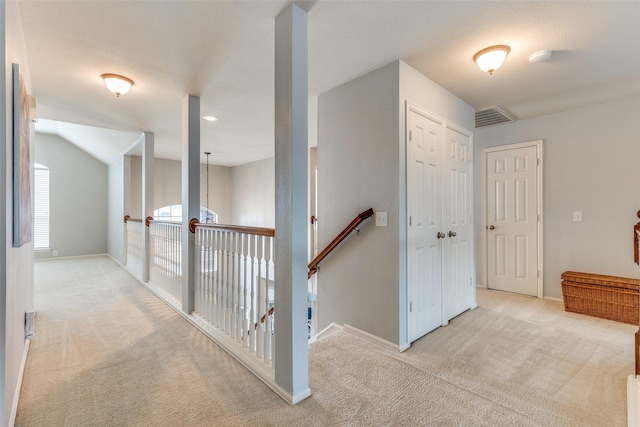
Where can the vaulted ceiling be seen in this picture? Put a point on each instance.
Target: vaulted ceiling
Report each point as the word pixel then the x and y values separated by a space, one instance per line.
pixel 223 51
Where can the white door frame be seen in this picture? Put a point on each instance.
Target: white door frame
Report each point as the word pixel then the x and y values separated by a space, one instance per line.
pixel 539 170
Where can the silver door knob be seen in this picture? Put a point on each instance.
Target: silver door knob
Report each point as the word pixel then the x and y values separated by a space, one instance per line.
pixel 441 235
pixel 452 234
pixel 491 227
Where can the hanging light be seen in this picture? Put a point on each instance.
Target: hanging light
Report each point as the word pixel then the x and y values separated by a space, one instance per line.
pixel 209 218
pixel 117 84
pixel 491 58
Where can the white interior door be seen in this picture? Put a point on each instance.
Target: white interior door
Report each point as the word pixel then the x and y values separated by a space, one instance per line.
pixel 512 219
pixel 457 224
pixel 424 196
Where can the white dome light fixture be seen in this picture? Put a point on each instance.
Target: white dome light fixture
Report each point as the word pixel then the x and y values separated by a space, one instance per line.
pixel 491 58
pixel 117 84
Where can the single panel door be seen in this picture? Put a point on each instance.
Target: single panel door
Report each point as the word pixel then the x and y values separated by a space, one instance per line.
pixel 424 208
pixel 512 220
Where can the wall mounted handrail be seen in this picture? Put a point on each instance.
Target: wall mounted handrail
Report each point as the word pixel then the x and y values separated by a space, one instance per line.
pixel 313 265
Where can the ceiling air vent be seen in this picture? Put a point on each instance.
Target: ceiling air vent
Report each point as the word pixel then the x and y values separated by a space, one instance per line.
pixel 492 116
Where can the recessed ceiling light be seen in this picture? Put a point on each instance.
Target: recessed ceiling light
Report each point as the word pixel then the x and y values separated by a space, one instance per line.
pixel 542 56
pixel 210 118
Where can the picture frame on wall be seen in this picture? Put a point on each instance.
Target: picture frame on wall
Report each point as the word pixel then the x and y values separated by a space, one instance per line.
pixel 22 209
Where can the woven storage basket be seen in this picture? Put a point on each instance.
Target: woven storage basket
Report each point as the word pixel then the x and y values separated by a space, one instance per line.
pixel 608 297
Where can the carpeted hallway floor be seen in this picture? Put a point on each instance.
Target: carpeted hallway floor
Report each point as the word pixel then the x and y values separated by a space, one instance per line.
pixel 109 353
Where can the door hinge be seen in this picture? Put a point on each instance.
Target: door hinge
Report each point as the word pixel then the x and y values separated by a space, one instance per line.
pixel 538 162
pixel 410 307
pixel 409 220
pixel 410 135
pixel 538 274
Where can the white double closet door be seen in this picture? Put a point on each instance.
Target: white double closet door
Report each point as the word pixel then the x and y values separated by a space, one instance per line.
pixel 439 224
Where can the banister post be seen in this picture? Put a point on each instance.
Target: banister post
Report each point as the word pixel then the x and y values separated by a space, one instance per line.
pixel 147 199
pixel 291 189
pixel 190 194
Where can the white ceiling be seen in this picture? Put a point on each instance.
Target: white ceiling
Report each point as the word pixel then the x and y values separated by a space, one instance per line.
pixel 223 52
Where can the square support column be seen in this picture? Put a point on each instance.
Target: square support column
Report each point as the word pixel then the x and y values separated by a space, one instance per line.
pixel 147 199
pixel 291 165
pixel 190 194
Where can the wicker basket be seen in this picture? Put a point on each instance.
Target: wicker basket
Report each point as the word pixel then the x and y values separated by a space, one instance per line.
pixel 608 297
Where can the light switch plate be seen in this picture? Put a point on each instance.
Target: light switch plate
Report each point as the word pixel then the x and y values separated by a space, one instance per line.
pixel 577 216
pixel 381 219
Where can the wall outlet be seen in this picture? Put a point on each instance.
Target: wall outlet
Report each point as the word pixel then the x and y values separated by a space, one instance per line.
pixel 381 219
pixel 577 216
pixel 55 253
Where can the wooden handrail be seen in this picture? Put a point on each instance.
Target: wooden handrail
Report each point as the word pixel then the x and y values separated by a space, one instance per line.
pixel 313 265
pixel 259 231
pixel 128 218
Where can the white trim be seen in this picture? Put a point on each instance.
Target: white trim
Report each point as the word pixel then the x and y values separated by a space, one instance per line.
pixel 374 339
pixel 74 257
pixel 321 335
pixel 16 396
pixel 553 299
pixel 539 172
pixel 633 401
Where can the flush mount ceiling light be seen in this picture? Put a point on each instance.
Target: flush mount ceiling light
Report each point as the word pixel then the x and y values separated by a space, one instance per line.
pixel 491 58
pixel 210 119
pixel 117 84
pixel 542 56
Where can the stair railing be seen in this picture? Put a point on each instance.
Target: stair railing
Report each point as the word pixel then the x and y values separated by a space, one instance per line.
pixel 313 265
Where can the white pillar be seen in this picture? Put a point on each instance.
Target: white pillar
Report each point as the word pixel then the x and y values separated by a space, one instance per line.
pixel 291 134
pixel 147 199
pixel 126 203
pixel 190 194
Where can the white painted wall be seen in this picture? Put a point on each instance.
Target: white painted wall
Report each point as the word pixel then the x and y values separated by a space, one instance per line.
pixel 590 165
pixel 16 264
pixel 253 194
pixel 116 209
pixel 168 187
pixel 78 198
pixel 361 164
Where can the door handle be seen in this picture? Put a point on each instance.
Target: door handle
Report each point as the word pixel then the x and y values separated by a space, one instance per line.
pixel 441 235
pixel 452 233
pixel 491 227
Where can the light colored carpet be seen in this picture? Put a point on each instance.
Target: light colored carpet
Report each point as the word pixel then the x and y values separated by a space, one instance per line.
pixel 108 353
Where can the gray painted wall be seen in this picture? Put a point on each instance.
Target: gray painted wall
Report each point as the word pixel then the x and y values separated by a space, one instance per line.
pixel 253 194
pixel 16 264
pixel 361 164
pixel 116 209
pixel 358 169
pixel 78 198
pixel 168 187
pixel 590 165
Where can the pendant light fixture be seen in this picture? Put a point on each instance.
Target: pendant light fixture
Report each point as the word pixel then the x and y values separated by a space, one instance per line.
pixel 117 84
pixel 208 219
pixel 491 58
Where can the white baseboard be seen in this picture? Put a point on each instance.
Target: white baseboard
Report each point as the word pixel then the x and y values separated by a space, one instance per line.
pixel 553 299
pixel 633 401
pixel 16 396
pixel 55 258
pixel 374 339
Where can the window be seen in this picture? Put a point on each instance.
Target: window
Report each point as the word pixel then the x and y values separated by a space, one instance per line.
pixel 173 213
pixel 41 207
